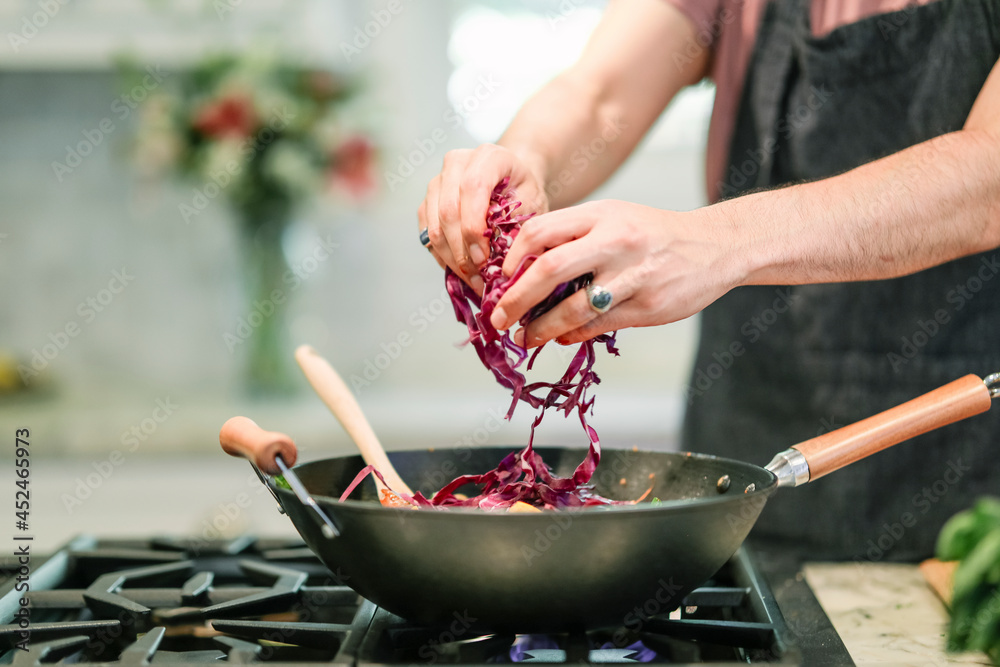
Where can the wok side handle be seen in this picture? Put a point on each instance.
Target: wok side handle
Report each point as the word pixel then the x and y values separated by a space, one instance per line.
pixel 945 405
pixel 242 437
pixel 273 453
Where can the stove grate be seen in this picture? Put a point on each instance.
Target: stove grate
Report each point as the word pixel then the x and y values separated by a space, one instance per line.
pixel 248 600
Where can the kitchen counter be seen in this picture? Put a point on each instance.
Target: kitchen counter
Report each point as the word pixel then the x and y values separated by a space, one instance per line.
pixel 885 613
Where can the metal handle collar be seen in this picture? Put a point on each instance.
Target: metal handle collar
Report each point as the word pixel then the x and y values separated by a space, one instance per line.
pixel 993 383
pixel 790 467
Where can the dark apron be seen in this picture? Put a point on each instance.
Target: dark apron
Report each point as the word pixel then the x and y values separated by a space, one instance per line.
pixel 776 366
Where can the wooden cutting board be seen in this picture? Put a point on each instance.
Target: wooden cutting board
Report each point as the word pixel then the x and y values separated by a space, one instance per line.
pixel 940 575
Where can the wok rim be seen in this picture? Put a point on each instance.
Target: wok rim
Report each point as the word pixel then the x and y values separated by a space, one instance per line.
pixel 687 503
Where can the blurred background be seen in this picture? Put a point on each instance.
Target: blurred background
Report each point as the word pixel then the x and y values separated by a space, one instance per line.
pixel 142 237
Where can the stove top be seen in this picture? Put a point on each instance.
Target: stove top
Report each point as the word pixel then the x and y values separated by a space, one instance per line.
pixel 187 601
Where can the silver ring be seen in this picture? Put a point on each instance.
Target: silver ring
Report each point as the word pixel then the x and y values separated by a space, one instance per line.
pixel 425 237
pixel 600 299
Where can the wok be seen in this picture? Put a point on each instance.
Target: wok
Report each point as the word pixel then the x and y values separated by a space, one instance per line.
pixel 559 571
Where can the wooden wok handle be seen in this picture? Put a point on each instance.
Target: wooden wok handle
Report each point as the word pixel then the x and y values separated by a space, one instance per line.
pixel 945 405
pixel 332 390
pixel 241 437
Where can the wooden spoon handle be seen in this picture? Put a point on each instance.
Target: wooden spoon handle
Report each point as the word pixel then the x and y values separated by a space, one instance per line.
pixel 241 437
pixel 332 390
pixel 953 402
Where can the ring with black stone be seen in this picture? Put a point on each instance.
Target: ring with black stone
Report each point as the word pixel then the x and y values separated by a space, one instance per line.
pixel 599 299
pixel 425 237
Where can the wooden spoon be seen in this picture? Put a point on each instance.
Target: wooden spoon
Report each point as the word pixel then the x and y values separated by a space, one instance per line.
pixel 334 392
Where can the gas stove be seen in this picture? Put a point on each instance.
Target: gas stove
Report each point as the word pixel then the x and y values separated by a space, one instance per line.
pixel 189 601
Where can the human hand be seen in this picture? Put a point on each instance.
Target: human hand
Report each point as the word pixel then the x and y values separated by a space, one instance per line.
pixel 660 266
pixel 454 209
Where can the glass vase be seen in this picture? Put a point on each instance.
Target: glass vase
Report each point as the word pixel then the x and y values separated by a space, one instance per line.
pixel 268 370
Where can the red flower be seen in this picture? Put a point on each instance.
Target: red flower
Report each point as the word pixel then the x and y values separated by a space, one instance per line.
pixel 353 166
pixel 231 116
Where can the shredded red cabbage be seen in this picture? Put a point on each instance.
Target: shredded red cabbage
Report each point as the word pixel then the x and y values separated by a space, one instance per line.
pixel 522 476
pixel 498 352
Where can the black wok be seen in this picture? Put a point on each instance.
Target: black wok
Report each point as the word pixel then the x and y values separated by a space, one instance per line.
pixel 554 571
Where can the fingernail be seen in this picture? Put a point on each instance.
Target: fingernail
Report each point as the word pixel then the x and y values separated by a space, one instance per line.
pixel 499 319
pixel 477 284
pixel 477 255
pixel 519 337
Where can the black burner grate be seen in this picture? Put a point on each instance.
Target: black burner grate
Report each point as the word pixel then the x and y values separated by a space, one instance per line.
pixel 250 600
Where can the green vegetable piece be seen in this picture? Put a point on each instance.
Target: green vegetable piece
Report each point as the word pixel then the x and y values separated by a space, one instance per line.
pixel 959 535
pixel 966 529
pixel 974 567
pixel 984 630
pixel 973 537
pixel 281 482
pixel 988 508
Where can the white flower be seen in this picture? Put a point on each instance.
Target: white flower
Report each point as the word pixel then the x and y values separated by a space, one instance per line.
pixel 289 166
pixel 224 162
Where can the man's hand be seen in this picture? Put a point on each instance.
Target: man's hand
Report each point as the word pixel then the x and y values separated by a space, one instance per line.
pixel 660 267
pixel 454 210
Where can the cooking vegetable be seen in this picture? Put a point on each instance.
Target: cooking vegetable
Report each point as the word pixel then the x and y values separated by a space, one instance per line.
pixel 522 477
pixel 522 507
pixel 973 538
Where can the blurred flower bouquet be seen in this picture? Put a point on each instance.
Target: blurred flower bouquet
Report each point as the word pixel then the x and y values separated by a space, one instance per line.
pixel 263 135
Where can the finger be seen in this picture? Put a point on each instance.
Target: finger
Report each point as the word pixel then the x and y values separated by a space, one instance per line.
pixel 572 314
pixel 429 219
pixel 423 235
pixel 422 225
pixel 432 224
pixel 547 231
pixel 551 269
pixel 623 315
pixel 456 165
pixel 487 167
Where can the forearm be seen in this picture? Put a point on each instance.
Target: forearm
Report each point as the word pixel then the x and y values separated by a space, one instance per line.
pixel 577 130
pixel 571 139
pixel 931 203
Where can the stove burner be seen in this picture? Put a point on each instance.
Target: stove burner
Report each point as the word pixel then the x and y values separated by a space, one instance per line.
pixel 546 648
pixel 137 602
